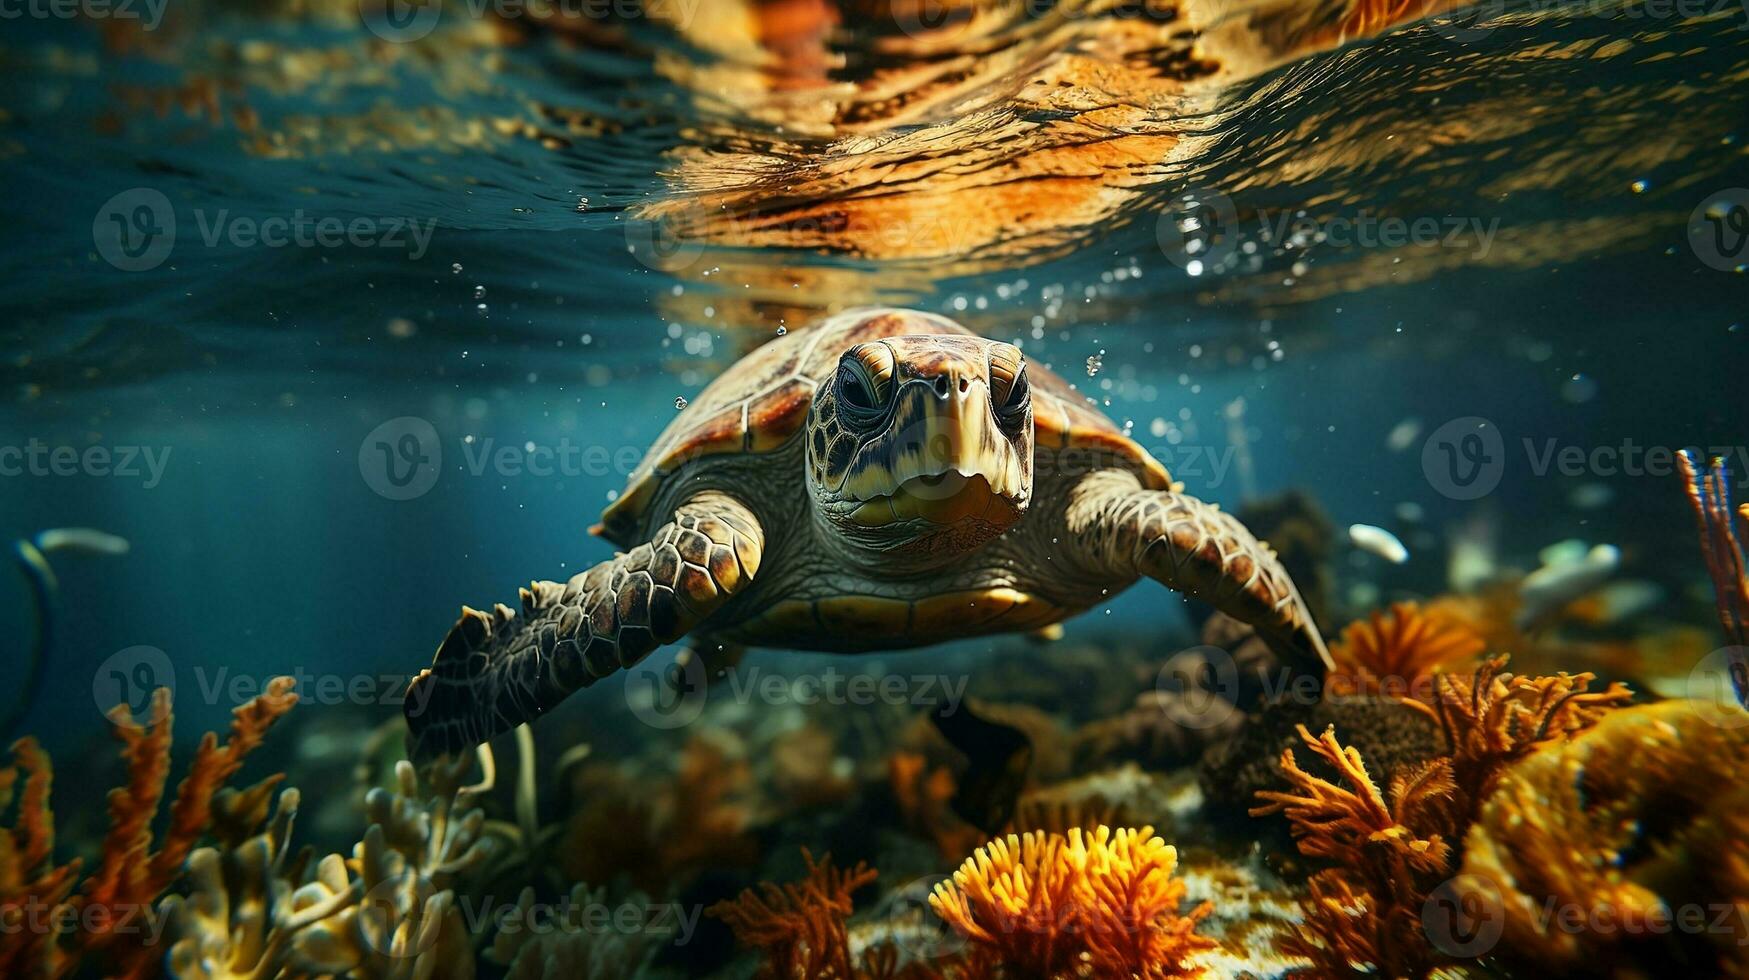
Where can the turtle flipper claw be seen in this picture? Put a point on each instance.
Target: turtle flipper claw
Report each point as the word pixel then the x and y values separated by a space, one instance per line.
pixel 1195 548
pixel 494 671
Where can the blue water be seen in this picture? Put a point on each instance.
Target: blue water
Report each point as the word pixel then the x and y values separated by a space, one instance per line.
pixel 257 373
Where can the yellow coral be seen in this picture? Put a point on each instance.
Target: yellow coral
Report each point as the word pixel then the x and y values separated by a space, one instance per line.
pixel 1626 846
pixel 388 912
pixel 1396 655
pixel 1049 905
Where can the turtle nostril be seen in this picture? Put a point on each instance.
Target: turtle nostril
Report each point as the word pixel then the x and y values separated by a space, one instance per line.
pixel 964 384
pixel 941 385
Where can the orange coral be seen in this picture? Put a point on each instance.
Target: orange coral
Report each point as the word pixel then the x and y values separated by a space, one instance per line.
pixel 1709 493
pixel 130 877
pixel 1493 717
pixel 1396 655
pixel 29 880
pixel 1390 851
pixel 799 926
pixel 1387 856
pixel 1049 905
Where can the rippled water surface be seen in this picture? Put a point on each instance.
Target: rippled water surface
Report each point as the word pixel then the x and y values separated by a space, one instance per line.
pixel 1283 243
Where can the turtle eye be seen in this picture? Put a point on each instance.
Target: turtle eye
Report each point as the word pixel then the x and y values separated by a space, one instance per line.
pixel 1006 368
pixel 864 382
pixel 1010 391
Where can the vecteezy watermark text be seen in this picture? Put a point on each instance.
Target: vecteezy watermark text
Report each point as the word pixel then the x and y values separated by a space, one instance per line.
pixel 38 458
pixel 136 230
pixel 1201 231
pixel 149 13
pixel 1465 458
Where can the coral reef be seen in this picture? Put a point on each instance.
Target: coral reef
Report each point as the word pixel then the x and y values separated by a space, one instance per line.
pixel 1388 735
pixel 1388 851
pixel 663 833
pixel 1616 852
pixel 112 907
pixel 1493 717
pixel 570 944
pixel 1709 493
pixel 1396 654
pixel 1387 854
pixel 799 927
pixel 388 911
pixel 1050 905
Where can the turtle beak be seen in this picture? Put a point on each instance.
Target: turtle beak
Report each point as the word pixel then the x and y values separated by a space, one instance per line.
pixel 942 460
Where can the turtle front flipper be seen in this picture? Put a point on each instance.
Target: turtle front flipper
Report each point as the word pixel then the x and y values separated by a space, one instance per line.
pixel 497 670
pixel 1194 548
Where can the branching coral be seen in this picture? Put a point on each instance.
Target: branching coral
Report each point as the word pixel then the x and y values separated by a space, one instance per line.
pixel 1388 851
pixel 799 927
pixel 30 881
pixel 1051 905
pixel 1493 717
pixel 1387 854
pixel 1709 493
pixel 1396 655
pixel 1625 849
pixel 390 911
pixel 113 907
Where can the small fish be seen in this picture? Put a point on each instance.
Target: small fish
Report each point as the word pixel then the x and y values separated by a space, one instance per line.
pixel 1000 757
pixel 1568 572
pixel 1378 541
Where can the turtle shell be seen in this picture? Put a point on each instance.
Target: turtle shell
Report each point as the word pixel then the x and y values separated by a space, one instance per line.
pixel 762 401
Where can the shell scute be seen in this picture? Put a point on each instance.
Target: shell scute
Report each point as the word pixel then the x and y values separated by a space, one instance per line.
pixel 761 402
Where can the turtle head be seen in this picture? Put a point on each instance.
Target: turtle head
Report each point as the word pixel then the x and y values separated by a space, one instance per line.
pixel 921 446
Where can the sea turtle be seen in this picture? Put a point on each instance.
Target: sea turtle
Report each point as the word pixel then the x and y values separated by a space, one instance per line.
pixel 885 479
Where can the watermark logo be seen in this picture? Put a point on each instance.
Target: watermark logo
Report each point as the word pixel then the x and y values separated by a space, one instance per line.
pixel 1718 687
pixel 1718 229
pixel 668 692
pixel 401 458
pixel 400 21
pixel 1199 230
pixel 658 247
pixel 135 230
pixel 1464 917
pixel 128 678
pixel 1464 458
pixel 1201 687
